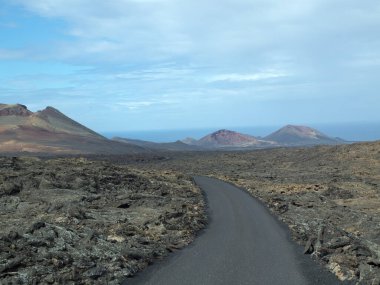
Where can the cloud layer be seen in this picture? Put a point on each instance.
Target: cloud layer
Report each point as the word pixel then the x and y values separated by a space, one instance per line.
pixel 262 61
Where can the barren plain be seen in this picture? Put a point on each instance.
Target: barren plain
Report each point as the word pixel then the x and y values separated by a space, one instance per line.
pixel 99 219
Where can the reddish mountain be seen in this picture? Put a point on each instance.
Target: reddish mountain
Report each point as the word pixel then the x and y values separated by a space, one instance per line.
pixel 225 138
pixel 50 131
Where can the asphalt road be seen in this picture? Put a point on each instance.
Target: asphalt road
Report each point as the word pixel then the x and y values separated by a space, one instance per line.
pixel 243 244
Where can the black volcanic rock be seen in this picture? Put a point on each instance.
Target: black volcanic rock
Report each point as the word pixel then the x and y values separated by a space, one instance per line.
pixel 77 221
pixel 328 196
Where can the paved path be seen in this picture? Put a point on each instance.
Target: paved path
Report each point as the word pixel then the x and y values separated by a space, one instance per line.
pixel 243 244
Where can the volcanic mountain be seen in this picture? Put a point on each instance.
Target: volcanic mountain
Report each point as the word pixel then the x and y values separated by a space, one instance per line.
pixel 301 135
pixel 50 131
pixel 228 139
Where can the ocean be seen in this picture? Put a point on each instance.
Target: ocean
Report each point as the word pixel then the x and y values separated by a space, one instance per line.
pixel 346 131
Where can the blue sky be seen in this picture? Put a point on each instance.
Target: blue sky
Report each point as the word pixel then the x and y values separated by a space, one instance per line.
pixel 178 64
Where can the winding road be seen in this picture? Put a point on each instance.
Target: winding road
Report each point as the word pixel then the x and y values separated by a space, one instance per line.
pixel 243 244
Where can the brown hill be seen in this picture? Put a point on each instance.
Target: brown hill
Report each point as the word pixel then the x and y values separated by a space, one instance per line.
pixel 229 139
pixel 301 135
pixel 50 131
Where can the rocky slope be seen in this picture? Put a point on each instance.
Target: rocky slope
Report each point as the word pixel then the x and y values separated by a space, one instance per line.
pixel 329 196
pixel 74 221
pixel 50 131
pixel 301 135
pixel 14 110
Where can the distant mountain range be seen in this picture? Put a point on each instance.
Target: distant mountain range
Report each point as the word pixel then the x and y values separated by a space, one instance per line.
pixel 287 136
pixel 50 131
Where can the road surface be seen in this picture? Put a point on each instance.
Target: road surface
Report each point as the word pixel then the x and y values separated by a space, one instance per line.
pixel 243 244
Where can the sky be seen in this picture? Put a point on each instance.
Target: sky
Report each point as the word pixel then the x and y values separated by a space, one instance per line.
pixel 128 65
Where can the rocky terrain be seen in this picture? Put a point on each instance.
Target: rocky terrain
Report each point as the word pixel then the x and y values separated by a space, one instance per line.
pixel 329 196
pixel 95 221
pixel 75 221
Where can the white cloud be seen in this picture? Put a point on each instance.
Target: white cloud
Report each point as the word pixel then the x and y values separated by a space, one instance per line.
pixel 155 73
pixel 235 77
pixel 241 33
pixel 161 29
pixel 134 105
pixel 147 102
pixel 139 50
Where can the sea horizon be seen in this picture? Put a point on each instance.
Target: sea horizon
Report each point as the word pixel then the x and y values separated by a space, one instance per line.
pixel 353 132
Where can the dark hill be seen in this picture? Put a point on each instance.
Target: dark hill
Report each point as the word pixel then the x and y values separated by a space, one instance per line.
pixel 171 146
pixel 301 135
